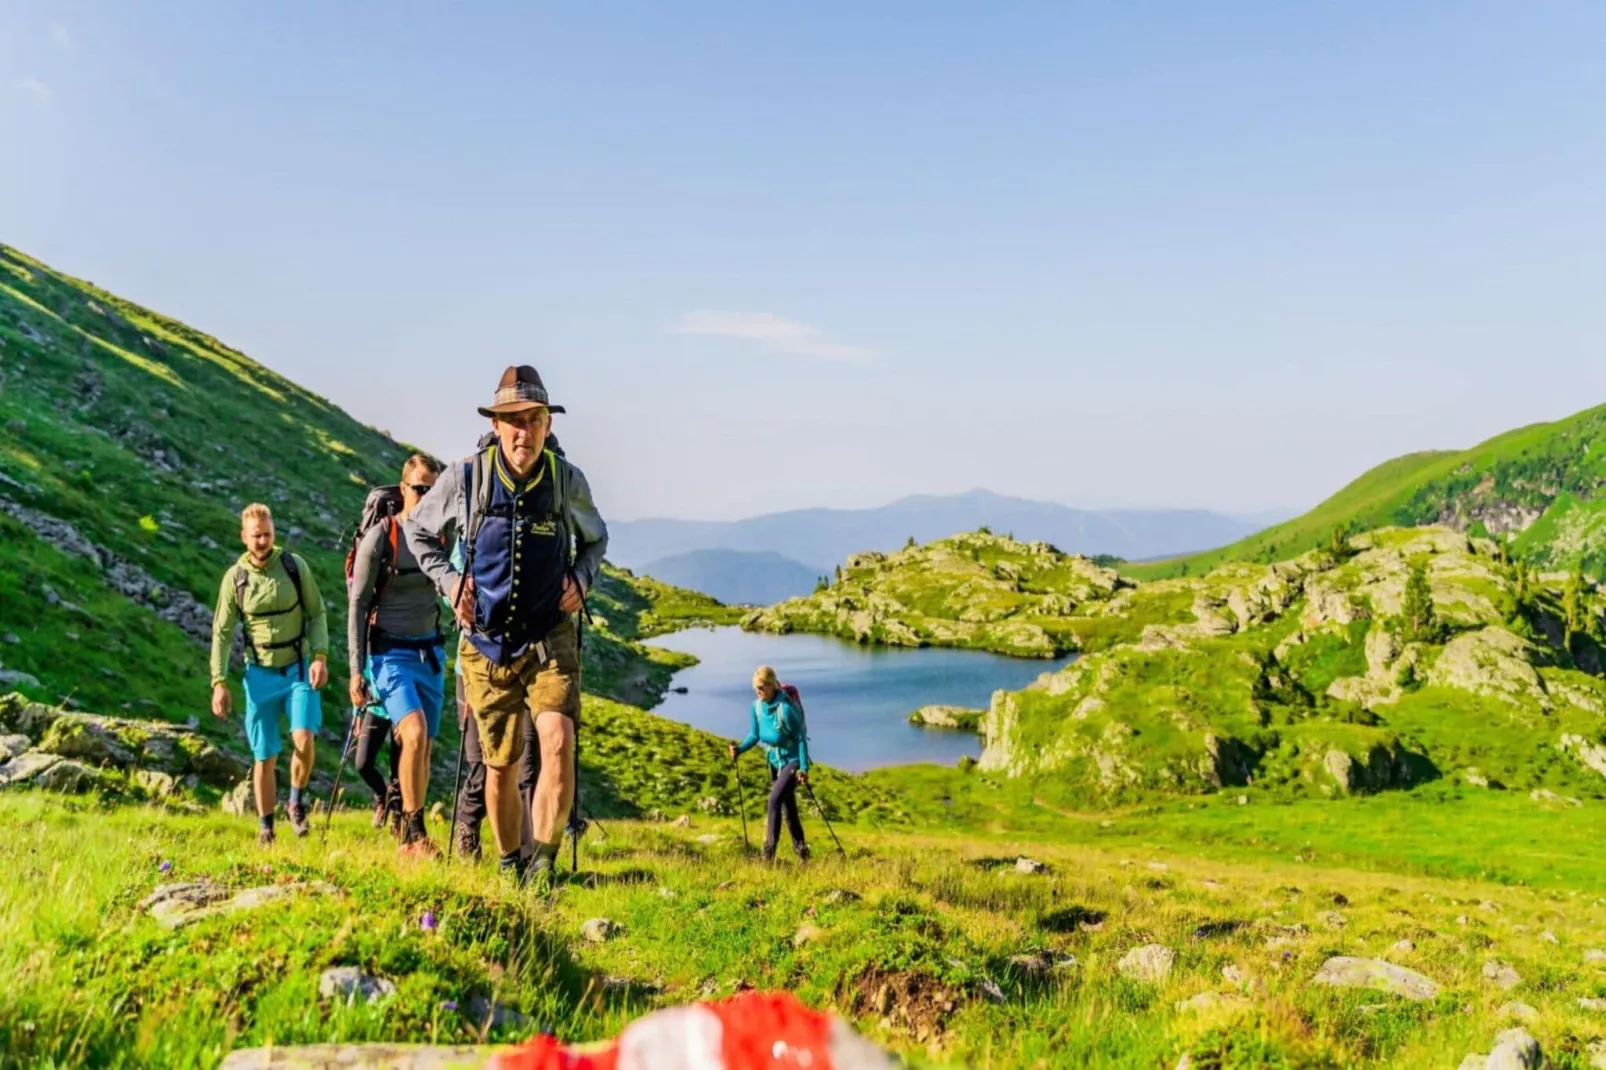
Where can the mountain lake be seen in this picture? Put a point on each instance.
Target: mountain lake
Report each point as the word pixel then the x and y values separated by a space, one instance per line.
pixel 857 698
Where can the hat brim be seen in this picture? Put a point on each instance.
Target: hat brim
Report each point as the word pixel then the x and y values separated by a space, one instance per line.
pixel 508 408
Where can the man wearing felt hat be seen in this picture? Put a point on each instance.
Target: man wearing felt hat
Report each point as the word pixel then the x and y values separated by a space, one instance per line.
pixel 533 543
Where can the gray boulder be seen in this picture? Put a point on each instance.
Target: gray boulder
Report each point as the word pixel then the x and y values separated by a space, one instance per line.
pixel 349 984
pixel 11 746
pixel 203 903
pixel 153 784
pixel 1345 972
pixel 19 714
pixel 360 1057
pixel 18 678
pixel 1151 964
pixel 240 801
pixel 22 769
pixel 72 778
pixel 1501 976
pixel 486 1014
pixel 1515 1049
pixel 172 900
pixel 598 930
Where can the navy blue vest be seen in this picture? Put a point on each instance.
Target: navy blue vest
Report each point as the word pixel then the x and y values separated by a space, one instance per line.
pixel 520 559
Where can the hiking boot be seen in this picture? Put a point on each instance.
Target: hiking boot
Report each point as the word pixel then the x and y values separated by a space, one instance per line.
pixel 415 838
pixel 265 837
pixel 468 841
pixel 298 819
pixel 541 876
pixel 803 852
pixel 424 848
pixel 513 868
pixel 381 811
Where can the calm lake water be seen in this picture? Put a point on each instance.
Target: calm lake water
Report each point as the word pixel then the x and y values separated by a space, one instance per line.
pixel 858 698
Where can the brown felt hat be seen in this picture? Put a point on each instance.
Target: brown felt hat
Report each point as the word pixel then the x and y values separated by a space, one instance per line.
pixel 520 389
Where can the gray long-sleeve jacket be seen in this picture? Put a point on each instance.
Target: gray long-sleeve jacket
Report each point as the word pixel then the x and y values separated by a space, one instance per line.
pixel 409 608
pixel 441 520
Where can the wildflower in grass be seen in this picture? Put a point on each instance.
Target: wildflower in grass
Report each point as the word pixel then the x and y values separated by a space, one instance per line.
pixel 449 1005
pixel 165 867
pixel 428 922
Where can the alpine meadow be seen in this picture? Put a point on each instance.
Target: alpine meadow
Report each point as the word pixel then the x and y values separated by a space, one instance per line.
pixel 1330 796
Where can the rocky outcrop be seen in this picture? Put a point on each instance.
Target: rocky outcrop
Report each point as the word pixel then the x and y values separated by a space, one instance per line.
pixel 960 718
pixel 978 591
pixel 175 606
pixel 1592 755
pixel 1492 661
pixel 78 752
pixel 1380 767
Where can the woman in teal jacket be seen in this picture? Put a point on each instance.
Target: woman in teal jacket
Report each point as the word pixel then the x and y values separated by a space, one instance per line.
pixel 778 725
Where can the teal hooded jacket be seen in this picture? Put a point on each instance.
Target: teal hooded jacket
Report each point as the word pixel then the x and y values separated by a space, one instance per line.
pixel 779 726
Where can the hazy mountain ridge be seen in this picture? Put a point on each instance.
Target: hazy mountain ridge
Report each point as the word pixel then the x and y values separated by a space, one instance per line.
pixel 819 538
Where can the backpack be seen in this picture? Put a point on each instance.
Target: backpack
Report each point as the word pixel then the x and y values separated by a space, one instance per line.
pixel 790 691
pixel 383 504
pixel 242 578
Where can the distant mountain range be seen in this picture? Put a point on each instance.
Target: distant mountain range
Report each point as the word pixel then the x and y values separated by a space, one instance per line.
pixel 813 542
pixel 736 577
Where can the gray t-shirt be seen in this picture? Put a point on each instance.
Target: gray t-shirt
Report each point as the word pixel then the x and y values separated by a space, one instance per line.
pixel 409 607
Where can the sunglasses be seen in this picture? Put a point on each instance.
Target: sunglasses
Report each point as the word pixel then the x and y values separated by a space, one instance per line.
pixel 419 489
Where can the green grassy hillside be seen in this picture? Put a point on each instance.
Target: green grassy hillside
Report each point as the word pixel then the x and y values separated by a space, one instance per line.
pixel 1539 485
pixel 128 444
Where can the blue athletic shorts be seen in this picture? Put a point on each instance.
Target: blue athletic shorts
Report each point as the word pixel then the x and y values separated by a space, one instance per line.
pixel 270 692
pixel 404 681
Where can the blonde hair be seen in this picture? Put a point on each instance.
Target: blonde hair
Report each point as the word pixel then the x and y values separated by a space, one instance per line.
pixel 764 676
pixel 256 511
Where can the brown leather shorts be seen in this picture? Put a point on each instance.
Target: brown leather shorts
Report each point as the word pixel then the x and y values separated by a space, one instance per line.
pixel 544 678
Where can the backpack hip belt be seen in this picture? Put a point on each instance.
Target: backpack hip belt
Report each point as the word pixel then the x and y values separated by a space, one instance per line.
pixel 382 642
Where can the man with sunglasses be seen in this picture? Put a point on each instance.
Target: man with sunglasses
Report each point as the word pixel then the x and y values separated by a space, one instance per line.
pixel 533 546
pixel 396 651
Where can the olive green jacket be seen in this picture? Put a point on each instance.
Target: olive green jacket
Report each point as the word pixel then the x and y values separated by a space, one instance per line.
pixel 270 615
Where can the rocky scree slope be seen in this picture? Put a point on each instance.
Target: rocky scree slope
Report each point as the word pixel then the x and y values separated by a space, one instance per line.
pixel 1307 677
pixel 1543 487
pixel 128 444
pixel 976 590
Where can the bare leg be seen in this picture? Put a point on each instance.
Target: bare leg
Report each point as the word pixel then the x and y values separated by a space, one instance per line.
pixel 554 791
pixel 502 800
pixel 262 784
pixel 301 757
pixel 414 760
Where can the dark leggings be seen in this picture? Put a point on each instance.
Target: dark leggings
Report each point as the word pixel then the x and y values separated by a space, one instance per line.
pixel 783 802
pixel 375 731
pixel 471 801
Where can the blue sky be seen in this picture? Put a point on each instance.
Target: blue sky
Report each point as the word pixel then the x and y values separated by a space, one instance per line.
pixel 1221 255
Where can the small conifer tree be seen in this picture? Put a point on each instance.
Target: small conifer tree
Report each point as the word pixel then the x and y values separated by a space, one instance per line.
pixel 1421 624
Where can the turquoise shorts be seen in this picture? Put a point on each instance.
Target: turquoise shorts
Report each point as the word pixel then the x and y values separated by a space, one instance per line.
pixel 270 692
pixel 404 681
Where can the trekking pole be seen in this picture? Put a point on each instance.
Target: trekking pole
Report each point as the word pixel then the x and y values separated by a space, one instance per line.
pixel 334 793
pixel 457 781
pixel 810 789
pixel 741 802
pixel 576 826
